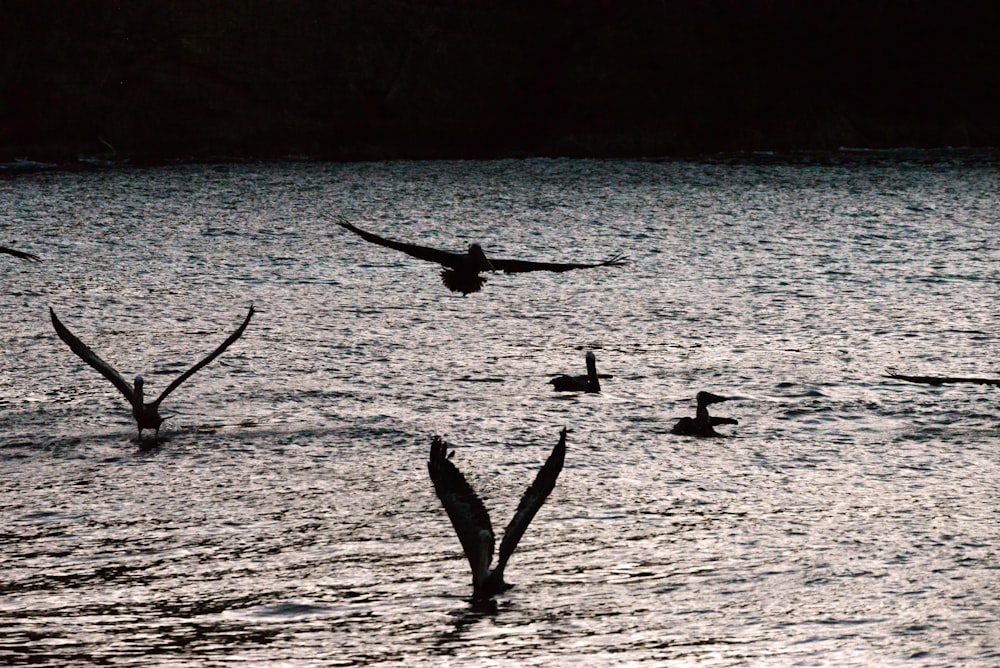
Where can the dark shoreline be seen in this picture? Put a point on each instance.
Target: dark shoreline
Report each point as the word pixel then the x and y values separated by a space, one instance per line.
pixel 844 157
pixel 354 80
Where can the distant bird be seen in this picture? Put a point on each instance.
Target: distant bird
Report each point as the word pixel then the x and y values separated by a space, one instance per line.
pixel 702 423
pixel 147 415
pixel 590 383
pixel 472 522
pixel 941 380
pixel 21 254
pixel 461 270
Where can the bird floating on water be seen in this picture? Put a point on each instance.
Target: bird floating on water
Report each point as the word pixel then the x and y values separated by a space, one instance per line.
pixel 702 423
pixel 461 270
pixel 941 380
pixel 590 383
pixel 21 254
pixel 147 415
pixel 471 521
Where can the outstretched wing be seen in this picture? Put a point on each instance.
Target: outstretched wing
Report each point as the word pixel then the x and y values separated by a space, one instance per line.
pixel 91 358
pixel 441 257
pixel 218 351
pixel 465 509
pixel 940 380
pixel 532 500
pixel 20 254
pixel 518 266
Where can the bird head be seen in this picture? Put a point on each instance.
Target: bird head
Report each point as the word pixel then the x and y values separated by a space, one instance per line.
pixel 707 398
pixel 479 257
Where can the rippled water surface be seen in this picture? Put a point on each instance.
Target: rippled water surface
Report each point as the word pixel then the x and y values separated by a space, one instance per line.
pixel 287 517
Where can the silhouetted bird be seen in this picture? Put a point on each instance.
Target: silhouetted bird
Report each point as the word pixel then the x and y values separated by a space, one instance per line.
pixel 589 383
pixel 701 424
pixel 20 254
pixel 941 380
pixel 461 270
pixel 147 415
pixel 472 522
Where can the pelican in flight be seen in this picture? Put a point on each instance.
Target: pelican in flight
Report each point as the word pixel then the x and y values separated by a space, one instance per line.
pixel 701 424
pixel 941 380
pixel 21 254
pixel 472 523
pixel 461 270
pixel 147 415
pixel 590 383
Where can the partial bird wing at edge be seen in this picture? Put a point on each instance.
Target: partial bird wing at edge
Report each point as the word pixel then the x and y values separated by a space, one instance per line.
pixel 21 254
pixel 940 380
pixel 464 507
pixel 218 351
pixel 445 258
pixel 532 500
pixel 520 266
pixel 91 358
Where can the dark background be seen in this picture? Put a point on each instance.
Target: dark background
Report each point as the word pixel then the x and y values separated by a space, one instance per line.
pixel 376 79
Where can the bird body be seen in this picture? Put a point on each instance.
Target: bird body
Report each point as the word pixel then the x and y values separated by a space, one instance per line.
pixel 472 523
pixel 147 415
pixel 461 271
pixel 702 424
pixel 590 383
pixel 942 380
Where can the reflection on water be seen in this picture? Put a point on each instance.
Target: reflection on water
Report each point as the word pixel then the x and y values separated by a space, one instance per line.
pixel 288 517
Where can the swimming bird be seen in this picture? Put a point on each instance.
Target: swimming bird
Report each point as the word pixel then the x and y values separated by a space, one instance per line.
pixel 461 270
pixel 147 415
pixel 941 380
pixel 590 383
pixel 702 423
pixel 21 254
pixel 472 523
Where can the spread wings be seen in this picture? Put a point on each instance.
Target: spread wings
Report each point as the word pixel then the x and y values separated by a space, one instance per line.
pixel 109 372
pixel 91 358
pixel 532 500
pixel 519 266
pixel 460 260
pixel 940 380
pixel 441 257
pixel 218 351
pixel 20 254
pixel 465 509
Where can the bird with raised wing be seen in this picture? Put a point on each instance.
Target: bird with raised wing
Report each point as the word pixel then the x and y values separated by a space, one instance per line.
pixel 461 271
pixel 147 415
pixel 21 254
pixel 701 424
pixel 471 521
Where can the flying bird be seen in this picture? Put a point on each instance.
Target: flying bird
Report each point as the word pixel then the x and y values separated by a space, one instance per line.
pixel 147 415
pixel 472 523
pixel 461 270
pixel 941 380
pixel 701 424
pixel 590 383
pixel 21 254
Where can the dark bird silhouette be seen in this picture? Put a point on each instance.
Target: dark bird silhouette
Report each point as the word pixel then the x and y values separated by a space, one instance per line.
pixel 701 424
pixel 941 380
pixel 461 270
pixel 590 383
pixel 147 415
pixel 472 523
pixel 21 254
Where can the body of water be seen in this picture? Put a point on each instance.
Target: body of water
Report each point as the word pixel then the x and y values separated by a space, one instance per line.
pixel 287 518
